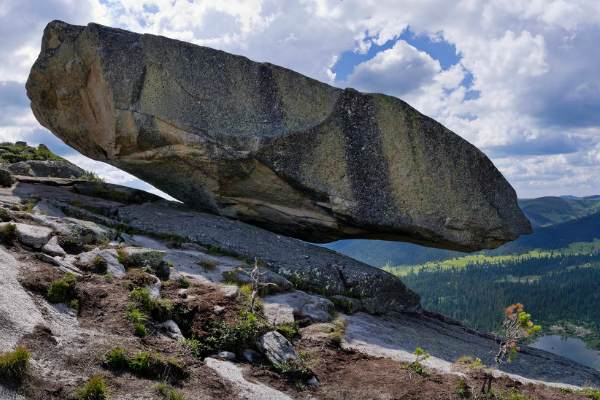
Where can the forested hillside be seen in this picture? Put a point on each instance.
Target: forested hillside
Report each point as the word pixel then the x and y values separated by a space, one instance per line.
pixel 557 286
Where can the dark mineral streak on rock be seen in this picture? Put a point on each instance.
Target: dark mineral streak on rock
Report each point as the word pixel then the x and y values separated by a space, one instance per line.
pixel 365 164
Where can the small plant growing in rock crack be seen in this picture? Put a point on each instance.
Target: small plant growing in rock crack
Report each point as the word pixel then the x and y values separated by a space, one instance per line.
pixel 336 335
pixel 98 265
pixel 416 366
pixel 94 389
pixel 470 363
pixel 167 392
pixel 62 290
pixel 462 389
pixel 8 234
pixel 138 319
pixel 145 365
pixel 14 365
pixel 122 257
pixel 29 205
pixel 516 326
pixel 290 330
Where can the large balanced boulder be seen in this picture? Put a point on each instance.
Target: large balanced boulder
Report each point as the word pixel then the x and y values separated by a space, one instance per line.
pixel 266 145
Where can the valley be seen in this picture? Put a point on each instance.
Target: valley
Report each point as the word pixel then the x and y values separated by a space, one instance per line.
pixel 554 271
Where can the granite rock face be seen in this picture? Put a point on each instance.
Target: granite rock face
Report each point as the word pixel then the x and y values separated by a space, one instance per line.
pixel 266 145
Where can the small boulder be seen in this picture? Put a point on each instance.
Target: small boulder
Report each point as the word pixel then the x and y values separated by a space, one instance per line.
pixel 172 329
pixel 270 281
pixel 226 355
pixel 33 235
pixel 110 258
pixel 141 257
pixel 286 307
pixel 251 356
pixel 6 179
pixel 53 248
pixel 74 234
pixel 230 291
pixel 277 348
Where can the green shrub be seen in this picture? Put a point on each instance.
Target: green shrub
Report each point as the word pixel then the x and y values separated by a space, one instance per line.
pixel 160 309
pixel 420 356
pixel 4 215
pixel 153 366
pixel 141 297
pixel 116 359
pixel 138 319
pixel 8 234
pixel 140 330
pixel 62 290
pixel 289 330
pixel 167 392
pixel 295 370
pixel 593 394
pixel 236 337
pixel 74 304
pixel 145 365
pixel 135 316
pixel 14 365
pixel 94 389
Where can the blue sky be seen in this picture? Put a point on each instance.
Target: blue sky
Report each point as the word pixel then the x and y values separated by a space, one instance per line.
pixel 517 79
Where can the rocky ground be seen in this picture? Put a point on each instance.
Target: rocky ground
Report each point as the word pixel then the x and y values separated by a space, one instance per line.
pixel 89 269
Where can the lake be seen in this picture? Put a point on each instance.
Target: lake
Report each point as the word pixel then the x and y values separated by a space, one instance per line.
pixel 569 347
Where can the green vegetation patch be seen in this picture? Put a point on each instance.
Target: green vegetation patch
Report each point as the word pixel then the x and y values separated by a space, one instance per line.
pixel 13 153
pixel 234 337
pixel 8 234
pixel 62 290
pixel 167 392
pixel 145 365
pixel 94 389
pixel 14 365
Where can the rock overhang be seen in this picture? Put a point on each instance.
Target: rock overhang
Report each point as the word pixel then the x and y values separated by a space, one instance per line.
pixel 266 145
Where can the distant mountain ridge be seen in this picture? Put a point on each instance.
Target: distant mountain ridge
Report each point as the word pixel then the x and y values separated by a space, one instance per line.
pixel 557 221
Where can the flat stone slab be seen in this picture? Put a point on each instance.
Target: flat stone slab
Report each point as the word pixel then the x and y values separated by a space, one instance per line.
pixel 246 390
pixel 284 307
pixel 32 235
pixel 398 336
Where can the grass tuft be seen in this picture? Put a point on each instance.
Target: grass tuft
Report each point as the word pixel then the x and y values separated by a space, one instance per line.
pixel 14 365
pixel 94 389
pixel 167 392
pixel 8 234
pixel 62 290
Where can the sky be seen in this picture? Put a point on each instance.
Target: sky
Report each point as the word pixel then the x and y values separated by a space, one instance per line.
pixel 517 78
